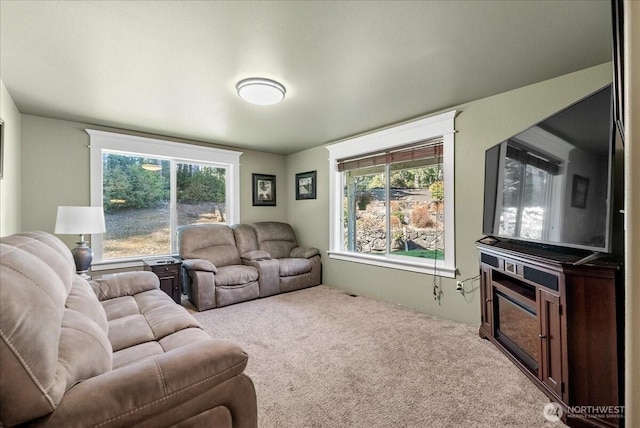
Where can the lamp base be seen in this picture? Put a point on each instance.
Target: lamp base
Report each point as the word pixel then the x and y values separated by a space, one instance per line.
pixel 82 256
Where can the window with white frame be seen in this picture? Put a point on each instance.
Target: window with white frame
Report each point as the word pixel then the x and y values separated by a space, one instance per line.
pixel 149 187
pixel 392 197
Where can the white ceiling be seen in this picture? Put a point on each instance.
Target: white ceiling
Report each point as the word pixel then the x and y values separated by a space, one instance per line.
pixel 170 68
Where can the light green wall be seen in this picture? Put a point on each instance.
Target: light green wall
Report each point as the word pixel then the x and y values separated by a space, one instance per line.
pixel 10 184
pixel 480 124
pixel 309 217
pixel 55 162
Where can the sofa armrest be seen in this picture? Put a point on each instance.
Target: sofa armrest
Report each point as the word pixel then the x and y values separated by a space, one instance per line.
pixel 199 264
pixel 268 275
pixel 124 284
pixel 304 252
pixel 255 255
pixel 133 394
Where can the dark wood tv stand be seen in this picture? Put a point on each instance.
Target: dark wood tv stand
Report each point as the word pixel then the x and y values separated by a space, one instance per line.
pixel 561 323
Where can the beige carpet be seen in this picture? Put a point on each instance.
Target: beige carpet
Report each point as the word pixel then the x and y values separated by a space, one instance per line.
pixel 322 358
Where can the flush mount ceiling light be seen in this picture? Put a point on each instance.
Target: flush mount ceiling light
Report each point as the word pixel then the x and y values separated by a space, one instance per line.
pixel 260 91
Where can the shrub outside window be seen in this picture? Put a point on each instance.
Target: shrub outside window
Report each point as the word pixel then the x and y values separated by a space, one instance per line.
pixel 392 196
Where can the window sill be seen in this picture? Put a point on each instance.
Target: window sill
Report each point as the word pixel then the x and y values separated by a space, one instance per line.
pixel 120 264
pixel 393 263
pixel 126 263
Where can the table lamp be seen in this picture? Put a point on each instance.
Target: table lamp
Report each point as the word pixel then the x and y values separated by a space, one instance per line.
pixel 80 221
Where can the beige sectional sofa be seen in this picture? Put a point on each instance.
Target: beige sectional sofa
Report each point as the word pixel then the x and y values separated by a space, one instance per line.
pixel 229 264
pixel 115 352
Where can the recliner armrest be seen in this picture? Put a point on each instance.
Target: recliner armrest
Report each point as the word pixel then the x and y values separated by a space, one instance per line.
pixel 199 264
pixel 304 252
pixel 255 255
pixel 124 284
pixel 130 395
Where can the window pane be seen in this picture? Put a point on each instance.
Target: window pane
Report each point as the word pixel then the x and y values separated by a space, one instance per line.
pixel 415 213
pixel 365 211
pixel 136 205
pixel 200 194
pixel 417 209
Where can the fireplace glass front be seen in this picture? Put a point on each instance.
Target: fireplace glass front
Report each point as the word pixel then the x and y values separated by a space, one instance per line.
pixel 517 328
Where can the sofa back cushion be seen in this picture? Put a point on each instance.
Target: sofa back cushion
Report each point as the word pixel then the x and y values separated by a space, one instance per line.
pixel 212 242
pixel 245 236
pixel 277 239
pixel 52 327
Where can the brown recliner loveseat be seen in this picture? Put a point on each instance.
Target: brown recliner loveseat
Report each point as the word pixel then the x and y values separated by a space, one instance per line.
pixel 224 265
pixel 115 352
pixel 215 275
pixel 297 266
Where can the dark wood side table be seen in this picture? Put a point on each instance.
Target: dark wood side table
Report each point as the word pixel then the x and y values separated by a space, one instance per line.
pixel 169 273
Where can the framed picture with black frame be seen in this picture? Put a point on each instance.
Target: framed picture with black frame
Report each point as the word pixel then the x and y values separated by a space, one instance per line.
pixel 579 191
pixel 264 190
pixel 306 183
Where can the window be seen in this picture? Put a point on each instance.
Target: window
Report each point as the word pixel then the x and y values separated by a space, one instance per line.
pixel 392 197
pixel 150 187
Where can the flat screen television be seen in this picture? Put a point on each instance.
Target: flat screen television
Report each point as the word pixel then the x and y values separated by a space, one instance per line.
pixel 552 183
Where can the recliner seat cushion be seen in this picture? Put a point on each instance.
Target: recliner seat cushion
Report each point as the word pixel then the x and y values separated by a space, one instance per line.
pixel 292 267
pixel 236 275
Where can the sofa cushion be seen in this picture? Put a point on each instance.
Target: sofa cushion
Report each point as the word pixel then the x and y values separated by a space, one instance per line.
pixel 83 299
pixel 277 239
pixel 145 317
pixel 133 354
pixel 212 242
pixel 142 351
pixel 236 275
pixel 292 267
pixel 120 307
pixel 129 331
pixel 245 236
pixel 84 351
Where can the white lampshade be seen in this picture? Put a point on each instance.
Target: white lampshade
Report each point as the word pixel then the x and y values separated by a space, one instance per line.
pixel 80 220
pixel 260 91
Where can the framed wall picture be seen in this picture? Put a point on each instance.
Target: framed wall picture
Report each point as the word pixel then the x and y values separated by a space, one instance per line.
pixel 306 185
pixel 264 190
pixel 579 191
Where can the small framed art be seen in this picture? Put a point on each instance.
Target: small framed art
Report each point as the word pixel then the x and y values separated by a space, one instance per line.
pixel 306 185
pixel 264 190
pixel 579 191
